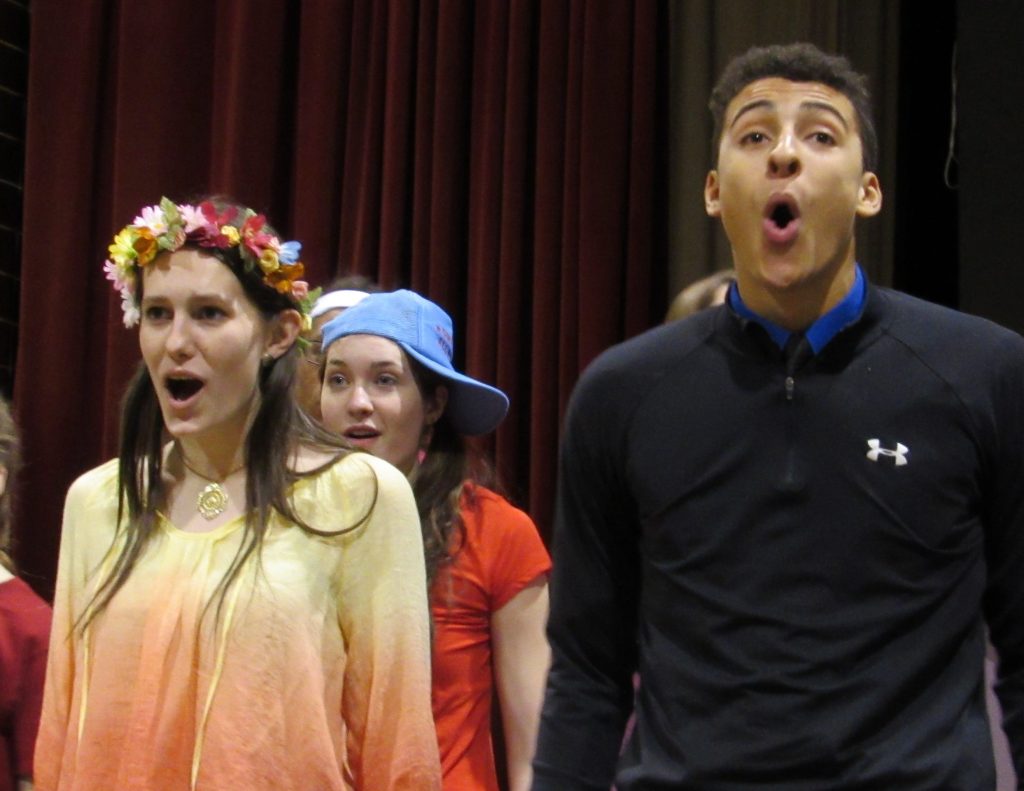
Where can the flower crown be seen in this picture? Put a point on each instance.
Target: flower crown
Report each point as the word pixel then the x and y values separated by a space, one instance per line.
pixel 169 226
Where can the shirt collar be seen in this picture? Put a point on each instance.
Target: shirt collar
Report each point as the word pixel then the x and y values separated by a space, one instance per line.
pixel 824 328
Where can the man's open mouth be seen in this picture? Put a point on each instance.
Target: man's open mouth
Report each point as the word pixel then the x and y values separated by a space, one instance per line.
pixel 782 219
pixel 781 210
pixel 782 215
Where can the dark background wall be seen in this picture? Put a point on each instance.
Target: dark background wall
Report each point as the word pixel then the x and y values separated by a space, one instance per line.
pixel 14 26
pixel 947 232
pixel 990 113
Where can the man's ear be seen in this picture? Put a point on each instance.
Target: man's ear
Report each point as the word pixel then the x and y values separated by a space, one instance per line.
pixel 711 204
pixel 869 201
pixel 284 331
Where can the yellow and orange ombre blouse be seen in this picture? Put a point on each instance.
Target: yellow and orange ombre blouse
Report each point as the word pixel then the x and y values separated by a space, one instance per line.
pixel 313 675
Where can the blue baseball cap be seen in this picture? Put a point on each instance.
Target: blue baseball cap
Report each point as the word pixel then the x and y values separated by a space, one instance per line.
pixel 424 332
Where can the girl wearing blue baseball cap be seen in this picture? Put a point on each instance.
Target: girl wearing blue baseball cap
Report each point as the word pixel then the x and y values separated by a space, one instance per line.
pixel 389 387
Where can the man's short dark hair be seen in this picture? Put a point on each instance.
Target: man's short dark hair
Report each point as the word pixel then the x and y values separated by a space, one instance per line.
pixel 798 63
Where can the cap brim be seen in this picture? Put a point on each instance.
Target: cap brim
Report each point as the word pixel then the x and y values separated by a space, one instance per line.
pixel 473 407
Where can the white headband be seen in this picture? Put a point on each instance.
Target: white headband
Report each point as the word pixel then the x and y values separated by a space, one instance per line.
pixel 337 300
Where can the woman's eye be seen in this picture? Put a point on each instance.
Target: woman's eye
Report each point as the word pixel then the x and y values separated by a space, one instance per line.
pixel 753 138
pixel 824 138
pixel 156 313
pixel 387 380
pixel 209 313
pixel 336 380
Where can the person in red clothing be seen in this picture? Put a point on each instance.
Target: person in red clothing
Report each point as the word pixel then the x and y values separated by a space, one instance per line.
pixel 24 636
pixel 389 387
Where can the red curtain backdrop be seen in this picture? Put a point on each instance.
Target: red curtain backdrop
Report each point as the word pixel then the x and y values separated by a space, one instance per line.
pixel 501 157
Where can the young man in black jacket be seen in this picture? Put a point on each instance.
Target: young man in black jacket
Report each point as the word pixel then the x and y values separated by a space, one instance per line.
pixel 792 515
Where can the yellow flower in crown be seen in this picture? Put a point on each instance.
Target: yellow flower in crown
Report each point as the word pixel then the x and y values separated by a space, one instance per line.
pixel 269 262
pixel 122 250
pixel 145 246
pixel 231 233
pixel 283 277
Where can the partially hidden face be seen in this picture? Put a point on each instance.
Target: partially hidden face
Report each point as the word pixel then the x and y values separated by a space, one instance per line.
pixel 308 376
pixel 371 397
pixel 789 184
pixel 202 340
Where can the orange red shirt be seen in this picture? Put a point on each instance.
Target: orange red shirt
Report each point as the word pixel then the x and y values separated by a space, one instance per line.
pixel 501 554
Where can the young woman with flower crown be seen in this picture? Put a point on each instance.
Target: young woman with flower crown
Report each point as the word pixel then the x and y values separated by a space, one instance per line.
pixel 240 602
pixel 389 387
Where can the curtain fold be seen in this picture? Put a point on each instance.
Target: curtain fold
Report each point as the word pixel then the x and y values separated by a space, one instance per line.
pixel 503 158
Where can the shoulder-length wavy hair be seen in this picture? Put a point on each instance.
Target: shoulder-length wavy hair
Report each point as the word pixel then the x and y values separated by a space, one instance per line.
pixel 10 460
pixel 443 482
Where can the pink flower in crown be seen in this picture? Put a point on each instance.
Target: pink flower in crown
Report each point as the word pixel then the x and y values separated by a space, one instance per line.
pixel 113 274
pixel 152 217
pixel 300 290
pixel 191 217
pixel 125 285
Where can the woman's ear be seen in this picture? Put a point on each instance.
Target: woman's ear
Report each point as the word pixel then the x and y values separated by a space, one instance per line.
pixel 433 407
pixel 284 331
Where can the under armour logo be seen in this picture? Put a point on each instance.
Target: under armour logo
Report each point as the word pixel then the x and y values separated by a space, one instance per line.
pixel 899 455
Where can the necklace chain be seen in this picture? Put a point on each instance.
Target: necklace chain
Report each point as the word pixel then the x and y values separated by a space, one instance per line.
pixel 213 499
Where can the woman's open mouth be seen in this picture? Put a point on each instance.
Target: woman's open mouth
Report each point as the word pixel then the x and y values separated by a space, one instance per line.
pixel 361 436
pixel 183 388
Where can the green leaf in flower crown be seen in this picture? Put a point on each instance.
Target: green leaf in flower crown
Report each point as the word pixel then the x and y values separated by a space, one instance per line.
pixel 170 210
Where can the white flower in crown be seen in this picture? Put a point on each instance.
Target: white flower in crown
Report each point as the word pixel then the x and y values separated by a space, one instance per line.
pixel 131 311
pixel 152 217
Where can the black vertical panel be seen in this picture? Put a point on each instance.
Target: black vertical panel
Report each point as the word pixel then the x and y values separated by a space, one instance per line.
pixel 990 100
pixel 14 33
pixel 925 240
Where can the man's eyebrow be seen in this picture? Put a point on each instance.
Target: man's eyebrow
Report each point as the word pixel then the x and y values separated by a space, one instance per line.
pixel 828 108
pixel 757 104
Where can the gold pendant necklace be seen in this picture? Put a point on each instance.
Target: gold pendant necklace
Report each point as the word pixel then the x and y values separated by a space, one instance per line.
pixel 213 499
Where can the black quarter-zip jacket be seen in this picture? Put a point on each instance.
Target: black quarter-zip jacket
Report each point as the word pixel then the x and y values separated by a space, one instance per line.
pixel 798 563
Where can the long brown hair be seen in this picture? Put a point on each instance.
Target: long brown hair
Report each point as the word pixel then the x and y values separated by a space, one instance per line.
pixel 10 460
pixel 279 427
pixel 444 481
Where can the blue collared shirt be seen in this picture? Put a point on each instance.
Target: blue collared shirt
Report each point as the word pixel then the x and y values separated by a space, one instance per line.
pixel 824 328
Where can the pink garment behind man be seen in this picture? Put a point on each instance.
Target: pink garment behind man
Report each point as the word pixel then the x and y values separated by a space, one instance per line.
pixel 24 637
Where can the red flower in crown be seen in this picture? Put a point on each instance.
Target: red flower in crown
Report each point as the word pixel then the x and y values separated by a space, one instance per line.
pixel 254 239
pixel 213 234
